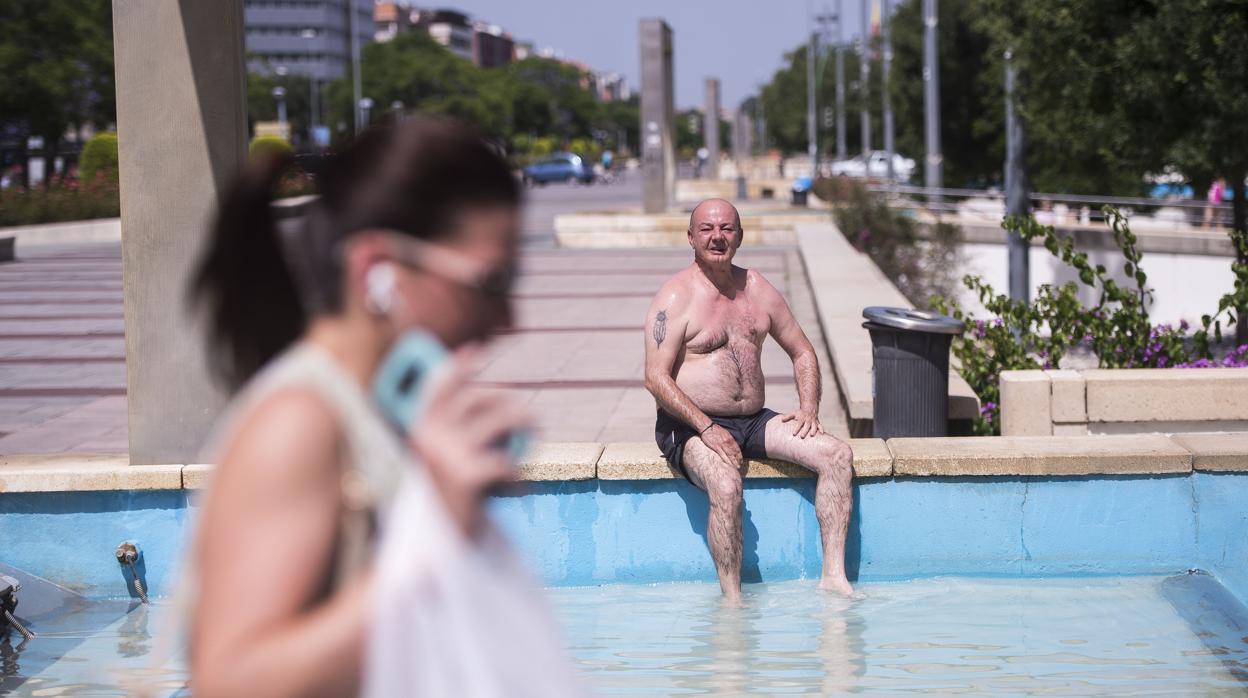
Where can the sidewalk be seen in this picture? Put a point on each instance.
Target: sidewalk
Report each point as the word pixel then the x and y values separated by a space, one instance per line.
pixel 575 357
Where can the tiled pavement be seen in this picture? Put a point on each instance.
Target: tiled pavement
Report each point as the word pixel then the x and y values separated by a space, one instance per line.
pixel 62 352
pixel 575 357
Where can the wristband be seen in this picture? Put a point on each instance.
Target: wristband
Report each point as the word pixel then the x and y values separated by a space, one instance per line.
pixel 708 426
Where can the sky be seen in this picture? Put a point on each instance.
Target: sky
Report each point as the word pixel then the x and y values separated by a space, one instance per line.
pixel 742 42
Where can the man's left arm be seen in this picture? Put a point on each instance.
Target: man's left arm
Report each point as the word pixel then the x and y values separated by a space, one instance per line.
pixel 789 335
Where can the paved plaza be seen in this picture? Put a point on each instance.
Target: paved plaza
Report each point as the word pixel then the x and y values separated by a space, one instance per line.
pixel 575 356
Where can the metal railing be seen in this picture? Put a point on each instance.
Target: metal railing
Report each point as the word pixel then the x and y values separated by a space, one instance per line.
pixel 1058 209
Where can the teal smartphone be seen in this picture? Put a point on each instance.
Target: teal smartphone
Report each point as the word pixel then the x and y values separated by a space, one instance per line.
pixel 398 387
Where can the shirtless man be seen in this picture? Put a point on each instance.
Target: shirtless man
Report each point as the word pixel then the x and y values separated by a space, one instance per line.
pixel 704 340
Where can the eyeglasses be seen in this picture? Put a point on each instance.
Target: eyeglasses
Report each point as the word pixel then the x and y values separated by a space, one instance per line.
pixel 453 266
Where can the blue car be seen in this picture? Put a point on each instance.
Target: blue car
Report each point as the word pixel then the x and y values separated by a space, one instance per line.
pixel 560 167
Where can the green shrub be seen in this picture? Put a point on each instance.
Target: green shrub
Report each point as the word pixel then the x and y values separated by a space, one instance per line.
pixel 586 148
pixel 1116 328
pixel 920 266
pixel 98 163
pixel 62 201
pixel 834 190
pixel 270 145
pixel 542 146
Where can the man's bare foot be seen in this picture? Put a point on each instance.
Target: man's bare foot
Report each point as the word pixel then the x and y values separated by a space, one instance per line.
pixel 732 601
pixel 839 586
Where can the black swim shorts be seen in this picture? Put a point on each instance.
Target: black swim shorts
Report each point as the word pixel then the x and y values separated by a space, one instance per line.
pixel 749 431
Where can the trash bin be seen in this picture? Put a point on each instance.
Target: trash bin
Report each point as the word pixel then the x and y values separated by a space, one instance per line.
pixel 910 370
pixel 801 188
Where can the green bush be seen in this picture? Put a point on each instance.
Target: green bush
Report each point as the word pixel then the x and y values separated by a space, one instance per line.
pixel 1116 328
pixel 270 145
pixel 586 148
pixel 834 190
pixel 62 201
pixel 920 266
pixel 98 163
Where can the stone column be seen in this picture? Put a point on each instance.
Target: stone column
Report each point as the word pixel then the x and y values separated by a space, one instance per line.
pixel 710 129
pixel 182 131
pixel 742 137
pixel 658 139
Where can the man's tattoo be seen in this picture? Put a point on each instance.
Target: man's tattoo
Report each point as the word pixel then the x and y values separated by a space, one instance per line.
pixel 660 328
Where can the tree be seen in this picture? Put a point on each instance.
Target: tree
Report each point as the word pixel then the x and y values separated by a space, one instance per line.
pixel 1114 89
pixel 56 67
pixel 423 75
pixel 1081 138
pixel 784 103
pixel 972 136
pixel 556 91
pixel 622 122
pixel 262 106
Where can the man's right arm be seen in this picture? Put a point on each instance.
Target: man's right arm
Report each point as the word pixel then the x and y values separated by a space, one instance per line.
pixel 666 323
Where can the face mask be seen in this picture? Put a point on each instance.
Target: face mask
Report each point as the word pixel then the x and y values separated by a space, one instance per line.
pixel 398 388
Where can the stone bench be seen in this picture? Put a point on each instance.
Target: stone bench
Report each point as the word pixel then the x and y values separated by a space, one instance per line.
pixel 1010 456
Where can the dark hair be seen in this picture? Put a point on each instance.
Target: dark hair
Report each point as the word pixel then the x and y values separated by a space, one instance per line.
pixel 260 280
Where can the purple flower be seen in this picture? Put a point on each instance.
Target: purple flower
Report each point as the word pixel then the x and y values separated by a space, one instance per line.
pixel 1161 362
pixel 987 409
pixel 997 322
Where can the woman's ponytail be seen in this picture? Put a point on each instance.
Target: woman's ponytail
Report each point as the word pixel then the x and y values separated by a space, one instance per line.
pixel 243 284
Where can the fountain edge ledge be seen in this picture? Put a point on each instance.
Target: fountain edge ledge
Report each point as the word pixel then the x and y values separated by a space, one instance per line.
pixel 1129 454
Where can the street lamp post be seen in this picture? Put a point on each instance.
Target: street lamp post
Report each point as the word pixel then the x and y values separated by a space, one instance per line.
pixel 842 148
pixel 365 106
pixel 864 81
pixel 932 175
pixel 314 106
pixel 812 133
pixel 886 60
pixel 397 108
pixel 361 115
pixel 1017 198
pixel 279 93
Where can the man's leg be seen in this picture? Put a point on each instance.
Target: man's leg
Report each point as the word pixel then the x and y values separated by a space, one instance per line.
pixel 832 460
pixel 722 483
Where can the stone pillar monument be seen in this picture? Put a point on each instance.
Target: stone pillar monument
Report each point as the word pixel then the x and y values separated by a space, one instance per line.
pixel 742 137
pixel 710 129
pixel 182 131
pixel 658 139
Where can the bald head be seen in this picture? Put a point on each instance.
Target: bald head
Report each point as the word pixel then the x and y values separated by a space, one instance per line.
pixel 715 232
pixel 715 212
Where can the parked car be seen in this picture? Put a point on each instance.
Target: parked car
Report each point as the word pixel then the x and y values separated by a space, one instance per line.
pixel 875 165
pixel 560 167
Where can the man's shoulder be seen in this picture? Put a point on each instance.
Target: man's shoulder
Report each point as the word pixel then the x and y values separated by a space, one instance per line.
pixel 677 289
pixel 755 281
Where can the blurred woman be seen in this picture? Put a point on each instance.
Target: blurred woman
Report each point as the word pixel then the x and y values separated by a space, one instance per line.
pixel 414 233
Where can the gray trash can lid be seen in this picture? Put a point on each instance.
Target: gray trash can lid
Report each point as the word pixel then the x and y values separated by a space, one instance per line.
pixel 913 320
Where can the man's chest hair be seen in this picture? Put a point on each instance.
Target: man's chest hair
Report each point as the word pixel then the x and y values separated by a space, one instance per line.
pixel 717 324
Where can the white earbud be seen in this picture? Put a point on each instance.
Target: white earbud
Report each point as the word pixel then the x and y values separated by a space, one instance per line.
pixel 379 288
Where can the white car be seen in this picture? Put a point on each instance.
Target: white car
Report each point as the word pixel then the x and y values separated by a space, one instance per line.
pixel 875 165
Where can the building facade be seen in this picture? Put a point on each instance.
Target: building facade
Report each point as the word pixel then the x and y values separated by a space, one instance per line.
pixel 486 45
pixel 305 37
pixel 491 46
